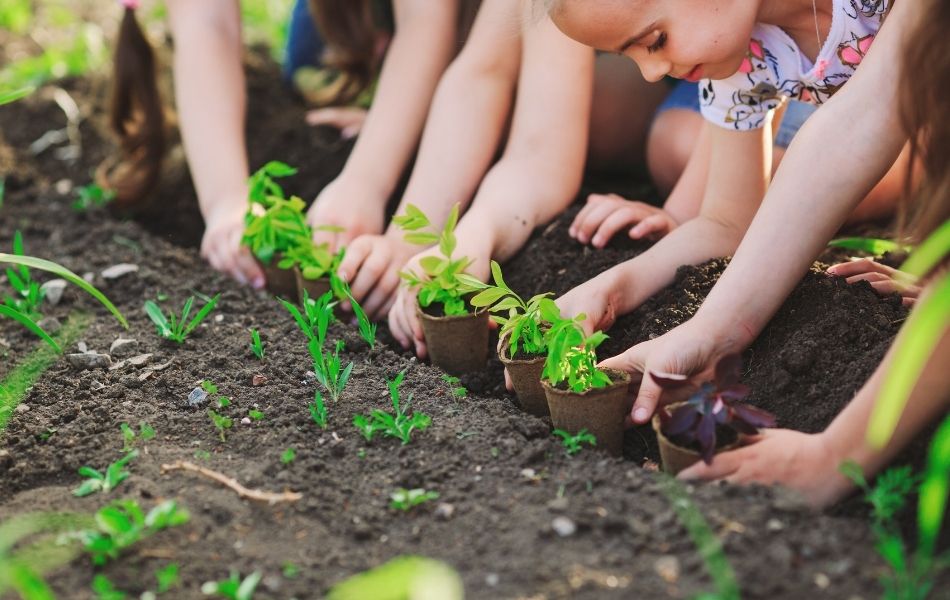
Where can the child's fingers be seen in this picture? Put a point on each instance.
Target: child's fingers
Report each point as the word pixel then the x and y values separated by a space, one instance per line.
pixel 872 276
pixel 508 384
pixel 724 464
pixel 419 337
pixel 655 226
pixel 397 325
pixel 586 226
pixel 861 265
pixel 369 274
pixel 616 221
pixel 249 269
pixel 329 238
pixel 356 253
pixel 594 202
pixel 378 299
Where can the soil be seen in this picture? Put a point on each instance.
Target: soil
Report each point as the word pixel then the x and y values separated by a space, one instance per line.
pixel 502 478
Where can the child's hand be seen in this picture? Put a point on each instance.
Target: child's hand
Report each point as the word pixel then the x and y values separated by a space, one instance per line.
pixel 884 279
pixel 595 298
pixel 605 215
pixel 348 119
pixel 371 266
pixel 350 205
pixel 221 244
pixel 799 461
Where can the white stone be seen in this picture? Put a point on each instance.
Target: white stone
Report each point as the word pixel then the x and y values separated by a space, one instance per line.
pixel 119 270
pixel 53 291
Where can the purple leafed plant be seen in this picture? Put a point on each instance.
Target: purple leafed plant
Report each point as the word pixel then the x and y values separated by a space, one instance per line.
pixel 715 403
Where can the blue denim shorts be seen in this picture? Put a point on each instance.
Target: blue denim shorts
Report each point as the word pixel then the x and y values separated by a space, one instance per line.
pixel 685 95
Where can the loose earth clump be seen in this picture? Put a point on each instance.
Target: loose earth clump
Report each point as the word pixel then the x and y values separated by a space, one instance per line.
pixel 515 515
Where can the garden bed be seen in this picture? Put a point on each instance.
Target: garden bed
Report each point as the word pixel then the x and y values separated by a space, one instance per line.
pixel 515 516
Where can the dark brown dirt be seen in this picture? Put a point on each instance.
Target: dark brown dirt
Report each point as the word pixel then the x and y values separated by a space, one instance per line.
pixel 501 471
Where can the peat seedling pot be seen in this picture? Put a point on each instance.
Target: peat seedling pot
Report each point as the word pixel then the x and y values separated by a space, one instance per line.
pixel 675 458
pixel 314 287
pixel 457 344
pixel 525 376
pixel 280 282
pixel 600 411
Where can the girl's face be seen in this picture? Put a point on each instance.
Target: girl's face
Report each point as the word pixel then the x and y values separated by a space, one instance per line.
pixel 687 39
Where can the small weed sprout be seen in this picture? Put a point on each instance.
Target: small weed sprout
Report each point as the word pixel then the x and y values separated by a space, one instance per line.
pixel 221 423
pixel 28 293
pixel 367 328
pixel 404 500
pixel 233 588
pixel 212 390
pixel 177 329
pixel 458 391
pixel 99 482
pixel 105 589
pixel 256 346
pixel 288 456
pixel 122 523
pixel 255 414
pixel 329 369
pixel 400 424
pixel 318 410
pixel 573 443
pixel 316 317
pixel 167 577
pixel 91 196
pixel 131 438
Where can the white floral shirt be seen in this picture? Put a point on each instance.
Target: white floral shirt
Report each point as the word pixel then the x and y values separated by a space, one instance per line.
pixel 775 68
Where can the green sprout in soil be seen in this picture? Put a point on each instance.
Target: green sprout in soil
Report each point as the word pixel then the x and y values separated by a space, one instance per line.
pixel 523 327
pixel 330 372
pixel 458 391
pixel 202 455
pixel 440 282
pixel 177 329
pixel 404 500
pixel 221 423
pixel 91 196
pixel 167 578
pixel 99 482
pixel 27 291
pixel 290 570
pixel 400 424
pixel 367 328
pixel 255 414
pixel 316 317
pixel 122 523
pixel 233 588
pixel 313 260
pixel 399 578
pixel 572 357
pixel 288 456
pixel 256 346
pixel 874 246
pixel 573 443
pixel 273 223
pixel 131 438
pixel 212 390
pixel 318 410
pixel 105 589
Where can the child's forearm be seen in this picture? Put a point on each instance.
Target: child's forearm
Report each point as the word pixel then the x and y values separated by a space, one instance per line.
pixel 210 96
pixel 423 44
pixel 684 201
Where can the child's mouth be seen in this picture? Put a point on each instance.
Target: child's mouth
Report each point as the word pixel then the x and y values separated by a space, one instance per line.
pixel 695 75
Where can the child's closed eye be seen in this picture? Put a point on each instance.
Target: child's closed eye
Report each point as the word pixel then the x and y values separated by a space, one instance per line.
pixel 658 43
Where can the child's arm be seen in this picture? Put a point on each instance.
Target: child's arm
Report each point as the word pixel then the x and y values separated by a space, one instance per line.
pixel 738 176
pixel 462 134
pixel 540 171
pixel 209 92
pixel 423 44
pixel 809 463
pixel 835 159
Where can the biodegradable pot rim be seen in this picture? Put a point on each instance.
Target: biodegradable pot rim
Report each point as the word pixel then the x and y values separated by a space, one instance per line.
pixel 424 315
pixel 617 378
pixel 503 356
pixel 655 421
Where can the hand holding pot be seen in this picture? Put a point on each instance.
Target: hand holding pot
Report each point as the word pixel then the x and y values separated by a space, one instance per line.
pixel 371 266
pixel 353 206
pixel 800 461
pixel 221 243
pixel 606 214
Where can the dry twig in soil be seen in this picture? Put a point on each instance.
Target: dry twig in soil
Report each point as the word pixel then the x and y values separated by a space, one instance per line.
pixel 243 492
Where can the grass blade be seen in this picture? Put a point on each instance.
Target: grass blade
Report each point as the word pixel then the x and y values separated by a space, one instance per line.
pixel 27 322
pixel 207 308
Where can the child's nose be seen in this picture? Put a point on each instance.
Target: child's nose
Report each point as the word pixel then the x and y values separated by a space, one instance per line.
pixel 654 69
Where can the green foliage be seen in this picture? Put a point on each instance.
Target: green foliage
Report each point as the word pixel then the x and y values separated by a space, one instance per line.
pixel 440 282
pixel 329 369
pixel 83 49
pixel 233 588
pixel 367 328
pixel 16 16
pixel 316 317
pixel 28 323
pixel 313 260
pixel 123 523
pixel 288 456
pixel 167 578
pixel 523 327
pixel 255 414
pixel 256 346
pixel 177 329
pixel 105 589
pixel 266 21
pixel 874 246
pixel 318 410
pixel 209 386
pixel 91 196
pixel 458 391
pixel 27 292
pixel 99 482
pixel 129 436
pixel 13 96
pixel 400 424
pixel 572 443
pixel 221 423
pixel 403 499
pixel 572 357
pixel 397 579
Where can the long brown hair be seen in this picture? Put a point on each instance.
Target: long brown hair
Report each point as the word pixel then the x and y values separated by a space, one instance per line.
pixel 924 109
pixel 136 114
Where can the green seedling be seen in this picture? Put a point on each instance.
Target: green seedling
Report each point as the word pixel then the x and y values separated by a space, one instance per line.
pixel 400 424
pixel 105 589
pixel 212 390
pixel 256 346
pixel 318 410
pixel 91 196
pixel 573 443
pixel 366 327
pixel 316 317
pixel 177 329
pixel 27 292
pixel 273 223
pixel 401 577
pixel 403 499
pixel 290 570
pixel 523 327
pixel 130 437
pixel 13 96
pixel 874 246
pixel 233 588
pixel 221 423
pixel 99 482
pixel 122 523
pixel 314 260
pixel 329 369
pixel 288 456
pixel 255 414
pixel 458 391
pixel 440 282
pixel 202 455
pixel 167 578
pixel 572 357
pixel 46 435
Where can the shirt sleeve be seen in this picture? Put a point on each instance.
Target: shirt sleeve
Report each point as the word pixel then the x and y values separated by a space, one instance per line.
pixel 741 102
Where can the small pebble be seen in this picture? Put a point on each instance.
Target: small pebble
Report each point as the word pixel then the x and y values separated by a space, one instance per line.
pixel 197 396
pixel 444 511
pixel 22 408
pixel 492 579
pixel 119 270
pixel 123 347
pixel 668 568
pixel 563 526
pixel 49 324
pixel 53 291
pixel 822 581
pixel 89 360
pixel 246 421
pixel 558 504
pixel 775 525
pixel 218 318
